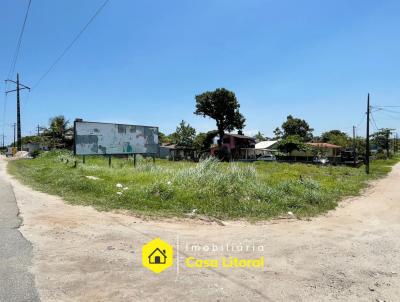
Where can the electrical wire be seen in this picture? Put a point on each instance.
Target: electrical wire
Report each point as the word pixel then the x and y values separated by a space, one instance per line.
pixel 17 50
pixel 389 115
pixel 388 106
pixel 361 121
pixel 374 123
pixel 71 44
pixel 4 113
pixel 13 63
pixel 391 111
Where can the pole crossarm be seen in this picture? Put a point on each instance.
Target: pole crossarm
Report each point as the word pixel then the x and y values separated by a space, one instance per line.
pixel 24 87
pixel 18 89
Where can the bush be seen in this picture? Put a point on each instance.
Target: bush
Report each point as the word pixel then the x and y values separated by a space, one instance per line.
pixel 36 153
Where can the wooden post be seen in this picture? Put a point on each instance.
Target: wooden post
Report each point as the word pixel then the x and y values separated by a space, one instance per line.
pixel 109 160
pixel 83 159
pixel 154 159
pixel 367 151
pixel 134 159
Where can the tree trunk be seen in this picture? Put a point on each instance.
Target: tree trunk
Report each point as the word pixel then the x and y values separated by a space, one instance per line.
pixel 221 137
pixel 220 142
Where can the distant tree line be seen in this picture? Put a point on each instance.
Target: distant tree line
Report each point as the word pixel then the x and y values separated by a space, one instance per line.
pixel 58 134
pixel 222 106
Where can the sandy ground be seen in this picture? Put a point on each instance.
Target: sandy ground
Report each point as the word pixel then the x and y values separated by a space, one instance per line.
pixel 350 254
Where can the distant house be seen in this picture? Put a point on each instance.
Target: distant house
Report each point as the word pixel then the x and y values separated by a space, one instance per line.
pixel 157 257
pixel 235 146
pixel 174 152
pixel 329 150
pixel 332 152
pixel 271 145
pixel 33 146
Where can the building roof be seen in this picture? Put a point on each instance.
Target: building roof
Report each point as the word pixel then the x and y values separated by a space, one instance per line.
pixel 265 144
pixel 324 145
pixel 158 250
pixel 171 146
pixel 239 136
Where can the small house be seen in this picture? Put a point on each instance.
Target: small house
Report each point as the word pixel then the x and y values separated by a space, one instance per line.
pixel 236 146
pixel 330 151
pixel 157 257
pixel 175 152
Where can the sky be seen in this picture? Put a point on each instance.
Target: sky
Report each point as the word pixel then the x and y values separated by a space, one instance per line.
pixel 143 62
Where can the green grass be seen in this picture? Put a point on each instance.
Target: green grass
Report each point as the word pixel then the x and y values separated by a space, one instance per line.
pixel 229 191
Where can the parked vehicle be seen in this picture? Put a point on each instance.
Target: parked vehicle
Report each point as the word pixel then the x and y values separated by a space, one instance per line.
pixel 268 157
pixel 11 151
pixel 320 160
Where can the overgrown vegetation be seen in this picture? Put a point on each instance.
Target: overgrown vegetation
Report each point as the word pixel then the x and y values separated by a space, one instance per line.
pixel 223 190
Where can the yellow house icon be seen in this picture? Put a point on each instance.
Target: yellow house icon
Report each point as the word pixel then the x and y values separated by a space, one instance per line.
pixel 157 255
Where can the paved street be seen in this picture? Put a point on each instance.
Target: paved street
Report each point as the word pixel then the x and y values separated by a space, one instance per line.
pixel 16 283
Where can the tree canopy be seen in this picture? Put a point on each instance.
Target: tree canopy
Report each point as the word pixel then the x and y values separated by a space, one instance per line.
pixel 203 141
pixel 336 137
pixel 296 126
pixel 59 126
pixel 291 143
pixel 278 133
pixel 222 106
pixel 260 137
pixel 381 139
pixel 184 135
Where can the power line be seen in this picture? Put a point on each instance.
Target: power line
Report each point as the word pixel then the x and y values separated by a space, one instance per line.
pixel 4 110
pixel 389 115
pixel 388 106
pixel 391 111
pixel 361 121
pixel 14 60
pixel 19 87
pixel 71 44
pixel 374 123
pixel 16 53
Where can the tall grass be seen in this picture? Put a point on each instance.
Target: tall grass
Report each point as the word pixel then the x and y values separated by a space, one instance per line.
pixel 224 190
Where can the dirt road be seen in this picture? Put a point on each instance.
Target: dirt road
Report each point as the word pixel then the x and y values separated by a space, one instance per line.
pixel 350 254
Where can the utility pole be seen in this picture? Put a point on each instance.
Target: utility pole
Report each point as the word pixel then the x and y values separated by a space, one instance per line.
pixel 394 143
pixel 19 87
pixel 367 140
pixel 14 125
pixel 38 129
pixel 387 136
pixel 354 146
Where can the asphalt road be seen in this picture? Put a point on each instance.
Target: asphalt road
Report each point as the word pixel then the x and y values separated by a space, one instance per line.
pixel 16 282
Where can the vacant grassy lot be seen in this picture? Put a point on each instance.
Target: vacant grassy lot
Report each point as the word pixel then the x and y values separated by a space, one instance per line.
pixel 253 191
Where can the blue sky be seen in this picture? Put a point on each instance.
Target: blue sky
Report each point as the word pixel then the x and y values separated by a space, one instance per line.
pixel 142 62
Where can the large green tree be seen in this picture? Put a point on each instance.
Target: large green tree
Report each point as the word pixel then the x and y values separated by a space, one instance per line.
pixel 260 137
pixel 278 133
pixel 296 126
pixel 59 126
pixel 184 135
pixel 203 141
pixel 381 139
pixel 222 106
pixel 57 132
pixel 336 137
pixel 291 143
